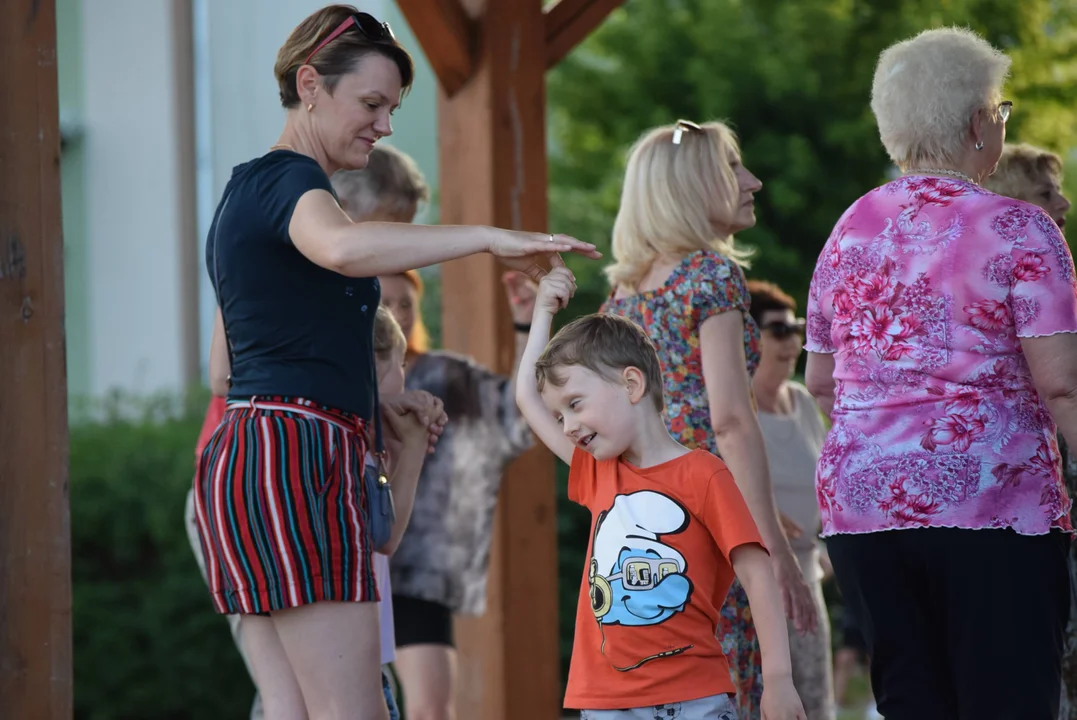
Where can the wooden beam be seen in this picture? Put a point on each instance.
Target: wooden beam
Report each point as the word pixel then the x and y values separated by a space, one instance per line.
pixel 446 33
pixel 35 570
pixel 493 172
pixel 568 22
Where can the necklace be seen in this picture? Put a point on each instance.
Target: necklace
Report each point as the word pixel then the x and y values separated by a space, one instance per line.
pixel 281 146
pixel 938 171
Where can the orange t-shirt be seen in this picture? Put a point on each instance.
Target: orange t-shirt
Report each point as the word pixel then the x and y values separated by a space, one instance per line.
pixel 657 576
pixel 214 415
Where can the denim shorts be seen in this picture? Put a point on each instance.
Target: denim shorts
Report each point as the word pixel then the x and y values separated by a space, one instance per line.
pixel 387 687
pixel 715 707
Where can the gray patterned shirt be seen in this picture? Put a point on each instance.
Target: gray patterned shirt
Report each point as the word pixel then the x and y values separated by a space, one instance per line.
pixel 444 554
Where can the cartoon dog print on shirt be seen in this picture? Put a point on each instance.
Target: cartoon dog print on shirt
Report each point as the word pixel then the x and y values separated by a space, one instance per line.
pixel 634 579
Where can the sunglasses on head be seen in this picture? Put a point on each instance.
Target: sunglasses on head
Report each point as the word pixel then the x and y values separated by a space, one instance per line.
pixel 780 329
pixel 368 26
pixel 684 125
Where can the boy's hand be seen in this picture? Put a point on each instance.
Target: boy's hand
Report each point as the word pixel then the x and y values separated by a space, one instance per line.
pixel 780 700
pixel 555 290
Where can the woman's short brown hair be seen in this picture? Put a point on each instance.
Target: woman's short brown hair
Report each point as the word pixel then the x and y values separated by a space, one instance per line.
pixel 1022 170
pixel 338 58
pixel 765 297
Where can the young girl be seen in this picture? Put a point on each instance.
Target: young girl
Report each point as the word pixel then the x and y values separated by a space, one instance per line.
pixel 406 442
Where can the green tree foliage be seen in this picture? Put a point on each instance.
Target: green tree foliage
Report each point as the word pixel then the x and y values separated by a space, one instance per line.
pixel 794 80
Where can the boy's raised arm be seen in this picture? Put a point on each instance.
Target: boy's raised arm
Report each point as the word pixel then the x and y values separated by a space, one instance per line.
pixel 554 292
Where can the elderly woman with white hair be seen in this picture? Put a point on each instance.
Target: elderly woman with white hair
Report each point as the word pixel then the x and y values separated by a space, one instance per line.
pixel 942 331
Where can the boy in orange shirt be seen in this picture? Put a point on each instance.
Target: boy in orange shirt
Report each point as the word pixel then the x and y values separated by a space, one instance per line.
pixel 669 532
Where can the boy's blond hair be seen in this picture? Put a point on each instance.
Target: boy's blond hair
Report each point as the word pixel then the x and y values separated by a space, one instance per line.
pixel 388 337
pixel 605 345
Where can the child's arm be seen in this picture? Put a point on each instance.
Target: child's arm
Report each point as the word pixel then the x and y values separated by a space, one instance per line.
pixel 753 568
pixel 407 456
pixel 553 294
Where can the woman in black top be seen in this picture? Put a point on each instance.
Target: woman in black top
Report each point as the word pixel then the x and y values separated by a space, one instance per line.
pixel 280 505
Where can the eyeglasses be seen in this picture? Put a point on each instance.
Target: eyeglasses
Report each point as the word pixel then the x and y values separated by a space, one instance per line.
pixel 782 330
pixel 681 126
pixel 643 573
pixel 369 26
pixel 1004 109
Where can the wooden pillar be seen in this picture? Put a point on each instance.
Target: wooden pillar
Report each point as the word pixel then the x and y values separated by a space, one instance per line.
pixel 35 577
pixel 493 172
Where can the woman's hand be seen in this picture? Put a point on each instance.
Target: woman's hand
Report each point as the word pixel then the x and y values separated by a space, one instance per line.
pixel 523 251
pixel 789 526
pixel 427 408
pixel 796 595
pixel 521 291
pixel 780 700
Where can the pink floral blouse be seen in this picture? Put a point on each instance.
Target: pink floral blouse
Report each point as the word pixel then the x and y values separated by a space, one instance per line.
pixel 921 293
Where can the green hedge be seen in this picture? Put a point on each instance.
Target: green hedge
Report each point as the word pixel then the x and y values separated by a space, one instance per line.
pixel 147 643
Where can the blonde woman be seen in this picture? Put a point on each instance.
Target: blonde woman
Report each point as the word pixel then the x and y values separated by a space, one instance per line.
pixel 942 327
pixel 677 273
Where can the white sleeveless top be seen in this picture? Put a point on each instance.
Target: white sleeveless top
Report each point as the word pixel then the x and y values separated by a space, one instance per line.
pixel 793 443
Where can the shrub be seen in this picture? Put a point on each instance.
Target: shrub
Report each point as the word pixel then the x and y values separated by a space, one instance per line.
pixel 147 643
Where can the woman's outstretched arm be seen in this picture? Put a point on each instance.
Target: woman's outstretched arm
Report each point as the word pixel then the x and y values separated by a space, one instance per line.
pixel 327 237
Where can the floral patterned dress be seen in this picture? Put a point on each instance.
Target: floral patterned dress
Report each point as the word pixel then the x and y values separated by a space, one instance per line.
pixel 704 284
pixel 923 292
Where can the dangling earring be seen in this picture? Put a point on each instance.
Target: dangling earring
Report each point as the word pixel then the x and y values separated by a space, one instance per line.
pixel 980 145
pixel 310 108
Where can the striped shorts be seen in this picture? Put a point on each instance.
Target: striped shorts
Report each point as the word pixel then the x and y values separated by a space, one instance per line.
pixel 281 507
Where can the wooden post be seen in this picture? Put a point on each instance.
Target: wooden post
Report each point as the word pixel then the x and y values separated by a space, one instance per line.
pixel 490 57
pixel 35 575
pixel 493 172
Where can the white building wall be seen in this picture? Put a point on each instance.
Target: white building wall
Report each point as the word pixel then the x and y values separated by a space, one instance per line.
pixel 239 105
pixel 131 186
pixel 124 171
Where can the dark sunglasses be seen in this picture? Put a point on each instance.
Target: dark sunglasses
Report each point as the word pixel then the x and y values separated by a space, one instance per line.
pixel 369 26
pixel 782 330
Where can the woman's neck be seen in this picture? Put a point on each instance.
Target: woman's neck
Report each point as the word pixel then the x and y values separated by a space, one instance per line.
pixel 966 167
pixel 297 137
pixel 772 393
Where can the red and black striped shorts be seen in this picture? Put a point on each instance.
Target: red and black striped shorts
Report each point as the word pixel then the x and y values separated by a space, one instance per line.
pixel 281 507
